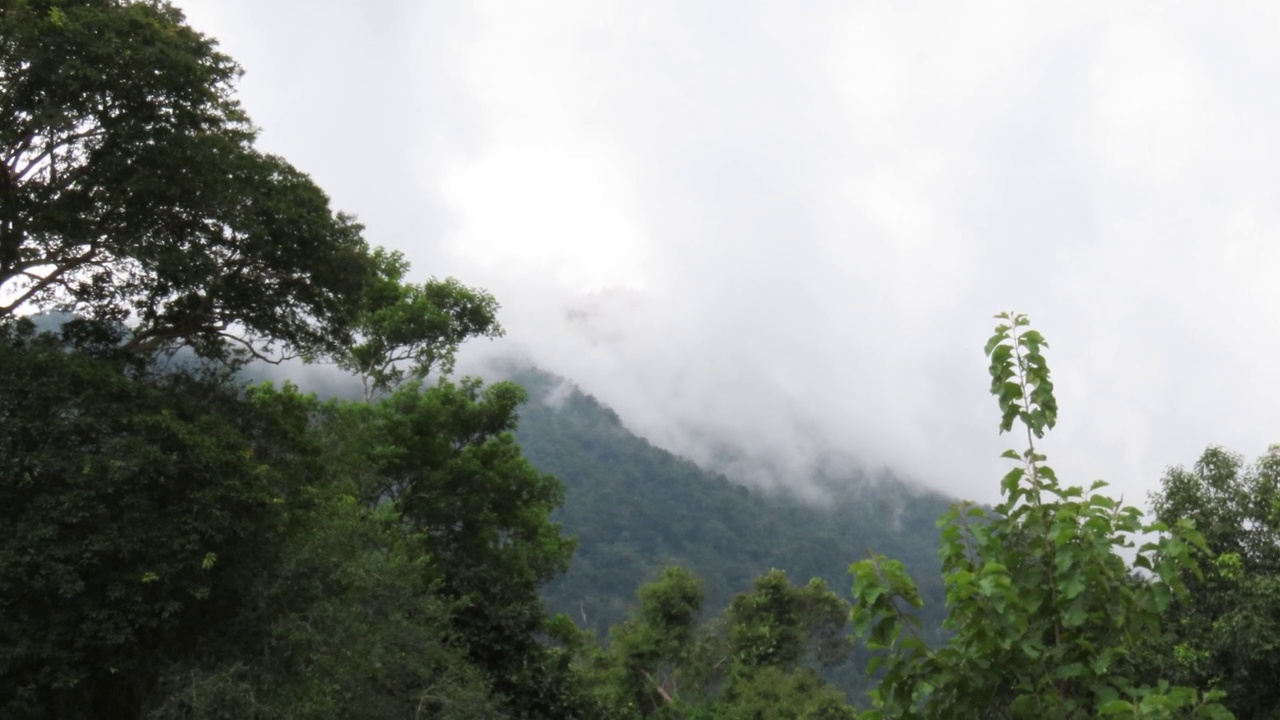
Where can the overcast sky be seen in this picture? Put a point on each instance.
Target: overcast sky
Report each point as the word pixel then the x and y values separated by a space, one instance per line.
pixel 786 225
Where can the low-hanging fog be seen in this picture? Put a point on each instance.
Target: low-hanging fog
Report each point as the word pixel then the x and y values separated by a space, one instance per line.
pixel 785 226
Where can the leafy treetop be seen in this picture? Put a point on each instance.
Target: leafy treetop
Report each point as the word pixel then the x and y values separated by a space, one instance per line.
pixel 131 194
pixel 421 325
pixel 1042 606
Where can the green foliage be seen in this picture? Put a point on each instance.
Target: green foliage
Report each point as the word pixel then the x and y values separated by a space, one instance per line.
pixel 636 508
pixel 746 663
pixel 173 544
pixel 641 672
pixel 445 452
pixel 444 457
pixel 421 325
pixel 773 694
pixel 347 626
pixel 1041 604
pixel 778 624
pixel 1020 376
pixel 1225 633
pixel 879 586
pixel 117 494
pixel 132 190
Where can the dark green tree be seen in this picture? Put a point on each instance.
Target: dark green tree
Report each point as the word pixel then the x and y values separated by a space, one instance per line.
pixel 131 194
pixel 769 634
pixel 641 673
pixel 174 545
pixel 132 514
pixel 1225 633
pixel 445 458
pixel 779 624
pixel 348 623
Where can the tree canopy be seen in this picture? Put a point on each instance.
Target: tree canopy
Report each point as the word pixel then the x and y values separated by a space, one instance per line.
pixel 1225 633
pixel 127 508
pixel 133 195
pixel 404 331
pixel 747 662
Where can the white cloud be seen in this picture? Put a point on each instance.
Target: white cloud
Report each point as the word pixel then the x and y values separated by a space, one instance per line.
pixel 546 213
pixel 786 225
pixel 1151 101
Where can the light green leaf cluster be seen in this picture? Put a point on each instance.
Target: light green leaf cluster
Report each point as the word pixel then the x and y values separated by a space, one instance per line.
pixel 404 331
pixel 1043 608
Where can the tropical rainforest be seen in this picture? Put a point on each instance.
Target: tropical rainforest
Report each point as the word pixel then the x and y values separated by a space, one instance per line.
pixel 182 539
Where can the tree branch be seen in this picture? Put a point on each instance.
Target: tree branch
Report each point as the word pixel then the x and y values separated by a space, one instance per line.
pixel 33 162
pixel 22 147
pixel 43 282
pixel 666 697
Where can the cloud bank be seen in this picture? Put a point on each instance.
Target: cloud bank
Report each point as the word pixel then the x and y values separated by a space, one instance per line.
pixel 785 226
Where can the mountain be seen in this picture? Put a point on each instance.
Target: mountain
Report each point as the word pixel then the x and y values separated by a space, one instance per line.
pixel 636 508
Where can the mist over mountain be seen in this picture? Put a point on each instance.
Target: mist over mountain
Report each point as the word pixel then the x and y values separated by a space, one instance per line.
pixel 824 202
pixel 635 507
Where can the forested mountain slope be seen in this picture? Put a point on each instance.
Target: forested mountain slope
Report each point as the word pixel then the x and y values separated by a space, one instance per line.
pixel 636 508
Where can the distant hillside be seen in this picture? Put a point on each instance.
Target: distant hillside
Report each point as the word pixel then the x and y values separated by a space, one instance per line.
pixel 636 508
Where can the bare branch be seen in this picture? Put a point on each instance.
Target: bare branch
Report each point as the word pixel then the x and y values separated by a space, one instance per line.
pixel 74 137
pixel 23 147
pixel 658 686
pixel 43 282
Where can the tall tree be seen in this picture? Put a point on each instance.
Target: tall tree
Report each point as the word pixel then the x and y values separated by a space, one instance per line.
pixel 445 458
pixel 778 624
pixel 132 195
pixel 143 510
pixel 345 624
pixel 641 674
pixel 174 546
pixel 1043 610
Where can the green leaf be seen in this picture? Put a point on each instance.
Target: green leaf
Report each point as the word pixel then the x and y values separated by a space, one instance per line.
pixel 995 340
pixel 1075 614
pixel 1070 670
pixel 1116 707
pixel 1072 586
pixel 1011 479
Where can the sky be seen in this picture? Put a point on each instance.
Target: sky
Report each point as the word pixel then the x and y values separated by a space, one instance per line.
pixel 784 227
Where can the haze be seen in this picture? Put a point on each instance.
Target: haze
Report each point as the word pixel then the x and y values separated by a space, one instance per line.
pixel 785 226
